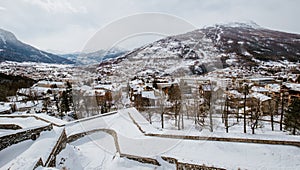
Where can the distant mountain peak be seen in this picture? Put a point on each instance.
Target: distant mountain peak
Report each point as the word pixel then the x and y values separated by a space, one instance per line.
pixel 6 36
pixel 239 24
pixel 210 48
pixel 96 57
pixel 247 24
pixel 11 49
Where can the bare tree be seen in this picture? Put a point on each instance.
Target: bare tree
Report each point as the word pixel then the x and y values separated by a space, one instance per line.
pixel 206 94
pixel 226 112
pixel 117 98
pixel 46 103
pixel 162 107
pixel 246 92
pixel 271 110
pixel 76 102
pixel 283 96
pixel 31 96
pixel 255 113
pixel 56 100
pixel 138 102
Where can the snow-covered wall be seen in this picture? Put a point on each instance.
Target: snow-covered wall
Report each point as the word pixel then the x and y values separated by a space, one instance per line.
pixel 24 134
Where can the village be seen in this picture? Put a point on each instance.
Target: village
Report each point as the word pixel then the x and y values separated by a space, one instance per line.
pixel 234 95
pixel 71 110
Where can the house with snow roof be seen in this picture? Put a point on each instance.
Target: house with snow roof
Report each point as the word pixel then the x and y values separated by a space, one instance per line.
pixel 51 84
pixel 293 90
pixel 262 80
pixel 259 89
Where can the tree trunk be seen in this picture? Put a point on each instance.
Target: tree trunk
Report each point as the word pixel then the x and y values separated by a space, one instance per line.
pixel 149 114
pixel 187 111
pixel 272 121
pixel 182 125
pixel 226 124
pixel 282 111
pixel 178 121
pixel 162 120
pixel 237 114
pixel 245 97
pixel 211 121
pixel 226 116
pixel 294 130
pixel 196 111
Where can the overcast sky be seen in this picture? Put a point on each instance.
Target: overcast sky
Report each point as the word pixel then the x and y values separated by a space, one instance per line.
pixel 67 25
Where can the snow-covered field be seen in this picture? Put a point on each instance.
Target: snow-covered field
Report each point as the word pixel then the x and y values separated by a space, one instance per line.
pixel 99 150
pixel 96 151
pixel 236 131
pixel 219 154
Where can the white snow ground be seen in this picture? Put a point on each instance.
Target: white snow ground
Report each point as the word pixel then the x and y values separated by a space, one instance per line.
pixel 98 151
pixel 219 154
pixel 24 155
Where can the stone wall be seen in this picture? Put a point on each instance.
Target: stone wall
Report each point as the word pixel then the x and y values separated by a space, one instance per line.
pixel 224 139
pixel 59 146
pixel 140 159
pixel 25 116
pixel 38 163
pixel 21 135
pixel 10 126
pixel 188 166
pixel 74 137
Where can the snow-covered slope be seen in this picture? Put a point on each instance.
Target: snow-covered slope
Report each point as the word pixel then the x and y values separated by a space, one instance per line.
pixel 228 155
pixel 250 41
pixel 11 49
pixel 206 49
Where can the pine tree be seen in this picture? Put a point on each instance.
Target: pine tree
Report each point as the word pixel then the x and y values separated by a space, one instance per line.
pixel 174 94
pixel 64 105
pixel 46 103
pixel 292 116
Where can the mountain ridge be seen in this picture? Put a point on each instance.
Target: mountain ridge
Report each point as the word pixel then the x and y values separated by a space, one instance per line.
pixel 208 49
pixel 12 49
pixel 88 58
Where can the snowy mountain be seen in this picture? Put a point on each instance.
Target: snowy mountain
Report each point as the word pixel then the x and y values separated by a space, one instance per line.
pixel 203 50
pixel 11 49
pixel 94 57
pixel 250 42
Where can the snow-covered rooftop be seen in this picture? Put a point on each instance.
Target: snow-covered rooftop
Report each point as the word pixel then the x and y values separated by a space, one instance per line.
pixel 149 94
pixel 260 96
pixel 259 89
